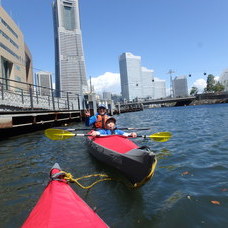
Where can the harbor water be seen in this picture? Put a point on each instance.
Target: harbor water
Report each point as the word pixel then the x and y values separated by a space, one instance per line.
pixel 189 187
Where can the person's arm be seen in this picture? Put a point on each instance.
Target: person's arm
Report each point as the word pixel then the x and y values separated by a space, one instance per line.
pixel 90 120
pixel 101 132
pixel 120 132
pixel 95 133
pixel 133 134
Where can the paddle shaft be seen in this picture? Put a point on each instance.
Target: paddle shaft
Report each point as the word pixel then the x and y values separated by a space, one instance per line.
pixel 87 129
pixel 82 135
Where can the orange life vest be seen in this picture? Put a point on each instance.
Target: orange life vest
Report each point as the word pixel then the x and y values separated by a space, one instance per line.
pixel 101 119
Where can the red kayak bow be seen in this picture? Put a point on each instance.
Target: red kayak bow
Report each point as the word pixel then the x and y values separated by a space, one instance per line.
pixel 60 207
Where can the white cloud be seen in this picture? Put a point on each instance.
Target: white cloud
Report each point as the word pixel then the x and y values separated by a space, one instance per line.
pixel 216 78
pixel 200 84
pixel 107 82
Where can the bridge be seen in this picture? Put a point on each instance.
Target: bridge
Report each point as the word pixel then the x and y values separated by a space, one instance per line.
pixel 180 101
pixel 220 97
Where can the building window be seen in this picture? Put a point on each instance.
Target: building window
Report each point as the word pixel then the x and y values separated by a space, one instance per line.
pixel 18 89
pixel 9 50
pixel 9 39
pixel 17 67
pixel 68 18
pixel 7 26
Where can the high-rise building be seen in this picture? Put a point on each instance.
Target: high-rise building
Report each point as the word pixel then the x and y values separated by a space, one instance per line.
pixel 70 73
pixel 159 88
pixel 147 83
pixel 107 95
pixel 44 82
pixel 223 79
pixel 15 57
pixel 180 86
pixel 130 76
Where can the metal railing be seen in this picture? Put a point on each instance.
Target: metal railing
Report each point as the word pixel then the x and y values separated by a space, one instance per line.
pixel 16 95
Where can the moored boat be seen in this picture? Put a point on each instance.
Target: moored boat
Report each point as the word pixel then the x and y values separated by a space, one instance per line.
pixel 136 164
pixel 60 207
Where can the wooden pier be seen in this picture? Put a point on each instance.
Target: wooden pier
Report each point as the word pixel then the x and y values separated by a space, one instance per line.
pixel 14 123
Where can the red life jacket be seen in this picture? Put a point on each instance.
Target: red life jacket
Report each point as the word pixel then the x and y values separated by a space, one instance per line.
pixel 101 119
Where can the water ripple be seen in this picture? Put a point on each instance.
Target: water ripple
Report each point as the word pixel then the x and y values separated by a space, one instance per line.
pixel 191 172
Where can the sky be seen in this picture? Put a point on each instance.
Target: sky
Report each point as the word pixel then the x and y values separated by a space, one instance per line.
pixel 186 36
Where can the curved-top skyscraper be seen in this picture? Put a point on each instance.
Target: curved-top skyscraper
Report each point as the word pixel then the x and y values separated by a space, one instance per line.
pixel 70 73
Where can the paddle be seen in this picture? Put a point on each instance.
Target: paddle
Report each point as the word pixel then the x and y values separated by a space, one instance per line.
pixel 89 129
pixel 60 134
pixel 159 136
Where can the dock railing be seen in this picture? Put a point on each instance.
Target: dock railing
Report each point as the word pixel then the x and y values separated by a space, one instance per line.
pixel 16 95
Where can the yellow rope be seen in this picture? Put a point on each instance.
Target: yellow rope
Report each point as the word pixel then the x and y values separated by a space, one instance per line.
pixel 69 177
pixel 148 177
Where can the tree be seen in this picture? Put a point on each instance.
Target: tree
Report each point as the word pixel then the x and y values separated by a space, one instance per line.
pixel 218 87
pixel 210 83
pixel 194 91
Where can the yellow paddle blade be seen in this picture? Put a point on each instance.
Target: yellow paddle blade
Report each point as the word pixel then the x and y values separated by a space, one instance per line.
pixel 161 136
pixel 58 134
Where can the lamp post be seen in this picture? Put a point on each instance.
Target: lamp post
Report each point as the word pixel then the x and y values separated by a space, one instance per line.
pixel 170 72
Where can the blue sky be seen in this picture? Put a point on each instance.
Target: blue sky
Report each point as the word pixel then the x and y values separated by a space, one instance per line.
pixel 188 36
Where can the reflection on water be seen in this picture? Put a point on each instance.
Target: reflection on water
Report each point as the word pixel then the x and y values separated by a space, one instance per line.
pixel 191 172
pixel 163 154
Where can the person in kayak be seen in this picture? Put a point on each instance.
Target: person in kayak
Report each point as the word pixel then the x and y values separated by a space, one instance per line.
pixel 99 119
pixel 110 129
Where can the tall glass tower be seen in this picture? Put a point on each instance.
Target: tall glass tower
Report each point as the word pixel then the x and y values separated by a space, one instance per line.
pixel 130 76
pixel 70 73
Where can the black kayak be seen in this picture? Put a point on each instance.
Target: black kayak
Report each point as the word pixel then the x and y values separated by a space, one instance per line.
pixel 136 164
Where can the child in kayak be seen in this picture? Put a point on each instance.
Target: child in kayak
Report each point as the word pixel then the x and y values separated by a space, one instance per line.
pixel 99 119
pixel 110 129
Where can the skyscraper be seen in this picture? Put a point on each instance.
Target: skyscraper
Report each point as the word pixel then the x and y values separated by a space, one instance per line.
pixel 159 88
pixel 147 82
pixel 180 87
pixel 130 76
pixel 44 80
pixel 70 73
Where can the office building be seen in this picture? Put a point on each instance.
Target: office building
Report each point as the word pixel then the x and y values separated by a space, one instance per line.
pixel 107 95
pixel 159 89
pixel 44 83
pixel 147 83
pixel 70 70
pixel 180 87
pixel 130 76
pixel 223 79
pixel 15 57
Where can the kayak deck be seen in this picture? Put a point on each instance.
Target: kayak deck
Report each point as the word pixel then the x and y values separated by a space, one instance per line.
pixel 60 207
pixel 118 143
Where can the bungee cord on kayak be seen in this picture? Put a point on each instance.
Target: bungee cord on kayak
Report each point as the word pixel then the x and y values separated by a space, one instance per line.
pixel 69 177
pixel 149 176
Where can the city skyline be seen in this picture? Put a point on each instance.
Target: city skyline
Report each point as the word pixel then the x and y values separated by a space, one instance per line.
pixel 138 81
pixel 176 35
